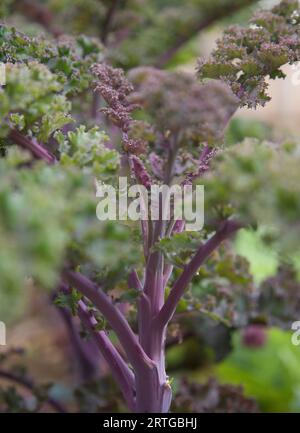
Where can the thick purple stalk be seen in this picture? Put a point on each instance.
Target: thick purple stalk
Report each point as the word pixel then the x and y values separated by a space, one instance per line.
pixel 153 325
pixel 152 340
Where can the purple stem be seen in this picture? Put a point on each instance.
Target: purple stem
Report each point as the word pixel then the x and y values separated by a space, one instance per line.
pixel 120 370
pixel 38 151
pixel 136 355
pixel 85 351
pixel 134 281
pixel 167 311
pixel 176 227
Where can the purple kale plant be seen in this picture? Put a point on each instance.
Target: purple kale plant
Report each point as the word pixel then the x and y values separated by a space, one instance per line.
pixel 128 283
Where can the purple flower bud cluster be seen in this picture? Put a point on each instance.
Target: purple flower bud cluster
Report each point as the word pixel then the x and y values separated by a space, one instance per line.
pixel 140 172
pixel 114 89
